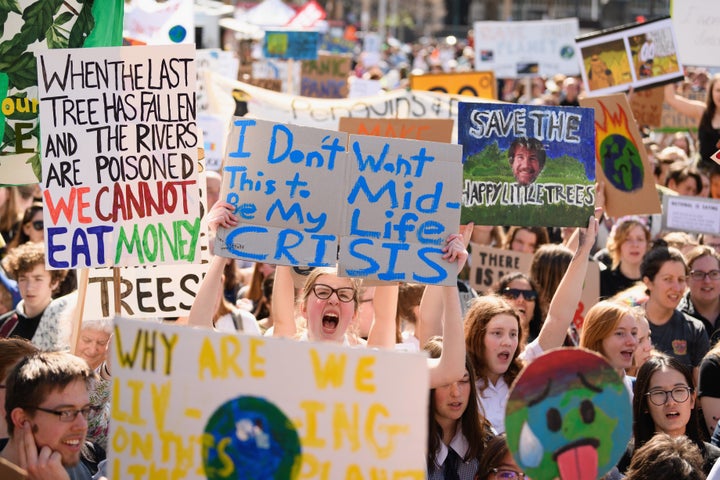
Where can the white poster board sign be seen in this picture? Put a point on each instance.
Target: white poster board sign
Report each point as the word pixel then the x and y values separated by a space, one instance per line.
pixel 691 214
pixel 534 47
pixel 206 403
pixel 698 31
pixel 119 156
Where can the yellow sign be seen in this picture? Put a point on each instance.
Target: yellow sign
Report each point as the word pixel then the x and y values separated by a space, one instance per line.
pixel 471 84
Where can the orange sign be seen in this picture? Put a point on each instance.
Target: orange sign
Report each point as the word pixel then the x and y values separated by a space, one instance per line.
pixel 434 130
pixel 472 84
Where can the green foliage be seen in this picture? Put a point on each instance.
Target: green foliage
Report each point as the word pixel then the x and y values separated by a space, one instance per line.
pixel 83 25
pixel 7 6
pixel 36 165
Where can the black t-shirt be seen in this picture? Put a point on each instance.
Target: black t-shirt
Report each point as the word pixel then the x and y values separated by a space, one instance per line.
pixel 682 337
pixel 709 384
pixel 711 327
pixel 613 281
pixel 26 326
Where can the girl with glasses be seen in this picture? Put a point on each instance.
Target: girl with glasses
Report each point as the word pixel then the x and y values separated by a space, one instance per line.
pixel 30 228
pixel 702 301
pixel 664 402
pixel 497 463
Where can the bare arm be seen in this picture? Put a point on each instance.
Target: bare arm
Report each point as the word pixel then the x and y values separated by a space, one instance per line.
pixel 283 303
pixel 450 367
pixel 691 108
pixel 572 242
pixel 565 300
pixel 206 300
pixel 383 329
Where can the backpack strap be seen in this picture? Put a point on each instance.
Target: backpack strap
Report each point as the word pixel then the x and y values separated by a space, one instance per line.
pixel 237 320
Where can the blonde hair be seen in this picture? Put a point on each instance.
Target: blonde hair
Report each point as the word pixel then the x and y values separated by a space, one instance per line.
pixel 600 321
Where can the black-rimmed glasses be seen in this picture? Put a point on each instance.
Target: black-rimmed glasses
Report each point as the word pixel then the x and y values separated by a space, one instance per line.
pixel 70 414
pixel 699 275
pixel 507 474
pixel 323 292
pixel 678 394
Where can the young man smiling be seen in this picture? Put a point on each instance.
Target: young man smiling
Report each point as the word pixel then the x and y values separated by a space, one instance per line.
pixel 46 409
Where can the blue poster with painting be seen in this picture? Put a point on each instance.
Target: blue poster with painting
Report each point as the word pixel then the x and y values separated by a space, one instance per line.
pixel 527 165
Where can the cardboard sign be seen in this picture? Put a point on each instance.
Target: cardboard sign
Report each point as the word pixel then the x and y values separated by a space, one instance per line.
pixel 548 179
pixel 516 49
pixel 568 411
pixel 297 191
pixel 697 33
pixel 647 106
pixel 10 471
pixel 326 77
pixel 26 27
pixel 473 84
pixel 691 214
pixel 622 162
pixel 433 130
pixel 119 154
pixel 291 45
pixel 277 407
pixel 589 296
pixel 149 22
pixel 489 264
pixel 638 56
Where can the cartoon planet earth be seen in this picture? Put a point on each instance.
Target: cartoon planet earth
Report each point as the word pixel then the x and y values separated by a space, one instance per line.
pixel 621 163
pixel 568 416
pixel 250 438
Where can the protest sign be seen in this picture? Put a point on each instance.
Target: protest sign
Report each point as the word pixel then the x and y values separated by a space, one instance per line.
pixel 578 392
pixel 589 296
pixel 219 61
pixel 691 214
pixel 27 26
pixel 434 130
pixel 148 22
pixel 489 264
pixel 119 156
pixel 473 84
pixel 516 49
pixel 415 185
pixel 622 162
pixel 326 77
pixel 527 165
pixel 698 35
pixel 637 56
pixel 296 191
pixel 291 45
pixel 647 106
pixel 278 408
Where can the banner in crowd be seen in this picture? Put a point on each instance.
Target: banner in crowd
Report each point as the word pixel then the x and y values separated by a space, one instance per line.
pixel 632 56
pixel 696 26
pixel 472 84
pixel 527 165
pixel 277 408
pixel 150 22
pixel 433 130
pixel 326 77
pixel 622 162
pixel 70 24
pixel 489 264
pixel 691 214
pixel 526 48
pixel 299 193
pixel 291 45
pixel 120 149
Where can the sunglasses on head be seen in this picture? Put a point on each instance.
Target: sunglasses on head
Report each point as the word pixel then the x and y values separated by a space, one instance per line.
pixel 514 293
pixel 38 225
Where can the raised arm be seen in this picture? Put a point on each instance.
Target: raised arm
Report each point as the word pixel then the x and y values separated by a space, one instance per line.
pixel 383 329
pixel 565 300
pixel 691 108
pixel 450 367
pixel 206 301
pixel 572 242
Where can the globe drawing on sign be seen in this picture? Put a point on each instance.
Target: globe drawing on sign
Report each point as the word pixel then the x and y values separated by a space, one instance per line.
pixel 250 438
pixel 621 163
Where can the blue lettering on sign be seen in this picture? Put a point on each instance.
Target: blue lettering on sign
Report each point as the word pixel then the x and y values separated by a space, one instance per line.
pixel 287 240
pixel 390 275
pixel 281 148
pixel 295 210
pixel 79 245
pixel 361 185
pixel 373 266
pixel 243 124
pixel 232 246
pixel 240 181
pixel 401 167
pixel 423 254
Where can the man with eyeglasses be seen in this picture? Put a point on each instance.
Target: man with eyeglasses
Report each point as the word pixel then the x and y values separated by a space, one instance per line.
pixel 702 300
pixel 37 316
pixel 46 408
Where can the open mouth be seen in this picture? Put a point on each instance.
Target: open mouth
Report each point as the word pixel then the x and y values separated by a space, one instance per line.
pixel 504 356
pixel 330 321
pixel 578 460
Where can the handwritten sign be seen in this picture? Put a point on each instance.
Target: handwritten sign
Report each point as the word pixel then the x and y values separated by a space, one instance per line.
pixel 119 156
pixel 533 164
pixel 622 161
pixel 297 190
pixel 516 49
pixel 473 84
pixel 159 23
pixel 691 214
pixel 489 264
pixel 433 129
pixel 638 56
pixel 291 45
pixel 326 77
pixel 277 407
pixel 697 31
pixel 647 106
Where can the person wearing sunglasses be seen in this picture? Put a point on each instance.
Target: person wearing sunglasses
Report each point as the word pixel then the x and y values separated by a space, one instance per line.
pixel 31 228
pixel 497 462
pixel 47 407
pixel 702 301
pixel 518 289
pixel 664 402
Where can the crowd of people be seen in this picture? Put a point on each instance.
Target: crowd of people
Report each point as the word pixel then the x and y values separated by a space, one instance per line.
pixel 656 322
